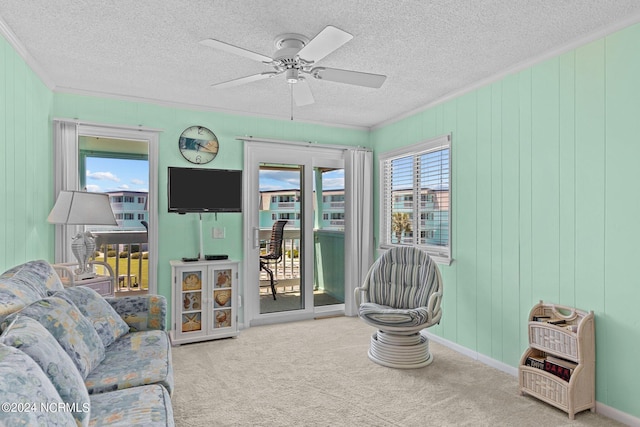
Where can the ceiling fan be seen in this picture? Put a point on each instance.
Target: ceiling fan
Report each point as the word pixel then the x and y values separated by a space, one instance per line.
pixel 296 57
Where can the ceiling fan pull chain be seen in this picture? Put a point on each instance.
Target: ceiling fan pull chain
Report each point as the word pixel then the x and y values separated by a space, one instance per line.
pixel 291 91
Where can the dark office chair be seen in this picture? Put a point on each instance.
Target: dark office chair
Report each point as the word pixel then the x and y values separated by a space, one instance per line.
pixel 275 251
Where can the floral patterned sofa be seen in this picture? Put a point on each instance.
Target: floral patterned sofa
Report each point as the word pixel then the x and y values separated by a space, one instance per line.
pixel 71 357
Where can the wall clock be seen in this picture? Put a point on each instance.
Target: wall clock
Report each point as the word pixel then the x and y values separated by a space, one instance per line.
pixel 198 145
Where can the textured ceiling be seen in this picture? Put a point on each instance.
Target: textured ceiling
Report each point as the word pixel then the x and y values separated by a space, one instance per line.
pixel 149 50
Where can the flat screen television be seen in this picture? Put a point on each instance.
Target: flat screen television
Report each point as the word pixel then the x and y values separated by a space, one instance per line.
pixel 204 190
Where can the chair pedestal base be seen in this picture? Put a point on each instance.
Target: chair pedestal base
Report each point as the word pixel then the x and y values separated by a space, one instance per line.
pixel 400 351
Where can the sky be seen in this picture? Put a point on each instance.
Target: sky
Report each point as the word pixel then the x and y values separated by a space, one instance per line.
pixel 287 180
pixel 108 174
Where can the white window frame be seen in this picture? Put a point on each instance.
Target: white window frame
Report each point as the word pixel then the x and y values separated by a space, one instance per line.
pixel 66 177
pixel 440 254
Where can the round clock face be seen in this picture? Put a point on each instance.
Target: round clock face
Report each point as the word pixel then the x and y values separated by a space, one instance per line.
pixel 198 145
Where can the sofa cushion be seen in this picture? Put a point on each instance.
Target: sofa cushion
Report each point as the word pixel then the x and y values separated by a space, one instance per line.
pixel 70 328
pixel 26 283
pixel 147 406
pixel 135 359
pixel 24 383
pixel 142 312
pixel 388 316
pixel 108 324
pixel 33 339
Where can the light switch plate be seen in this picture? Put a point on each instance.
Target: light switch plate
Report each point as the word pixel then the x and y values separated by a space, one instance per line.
pixel 218 232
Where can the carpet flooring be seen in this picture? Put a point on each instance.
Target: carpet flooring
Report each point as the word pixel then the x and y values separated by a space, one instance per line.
pixel 317 373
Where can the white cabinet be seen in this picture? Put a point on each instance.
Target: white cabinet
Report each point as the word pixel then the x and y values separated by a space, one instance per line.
pixel 204 300
pixel 559 365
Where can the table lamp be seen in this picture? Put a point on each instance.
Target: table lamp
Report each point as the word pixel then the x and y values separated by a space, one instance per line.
pixel 82 208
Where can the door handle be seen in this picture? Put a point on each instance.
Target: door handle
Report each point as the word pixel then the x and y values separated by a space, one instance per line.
pixel 256 237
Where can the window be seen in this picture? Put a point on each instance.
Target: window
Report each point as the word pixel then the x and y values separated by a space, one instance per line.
pixel 415 195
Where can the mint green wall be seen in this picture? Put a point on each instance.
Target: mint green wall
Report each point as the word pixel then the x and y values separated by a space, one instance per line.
pixel 545 205
pixel 26 165
pixel 178 234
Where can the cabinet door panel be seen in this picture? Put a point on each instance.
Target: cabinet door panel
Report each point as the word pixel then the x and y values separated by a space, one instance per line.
pixel 191 299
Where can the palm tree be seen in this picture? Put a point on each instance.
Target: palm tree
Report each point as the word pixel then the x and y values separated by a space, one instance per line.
pixel 400 223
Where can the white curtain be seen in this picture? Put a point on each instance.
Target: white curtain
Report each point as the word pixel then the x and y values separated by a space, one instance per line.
pixel 359 211
pixel 65 140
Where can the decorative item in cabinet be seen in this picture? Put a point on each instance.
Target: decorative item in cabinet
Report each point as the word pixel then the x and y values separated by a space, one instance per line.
pixel 191 281
pixel 559 365
pixel 191 322
pixel 204 302
pixel 191 319
pixel 222 298
pixel 223 278
pixel 223 319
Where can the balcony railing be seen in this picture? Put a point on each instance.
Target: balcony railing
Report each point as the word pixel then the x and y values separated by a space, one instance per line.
pixel 329 262
pixel 130 267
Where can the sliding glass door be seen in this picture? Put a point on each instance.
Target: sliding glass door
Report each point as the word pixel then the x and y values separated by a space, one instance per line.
pixel 305 188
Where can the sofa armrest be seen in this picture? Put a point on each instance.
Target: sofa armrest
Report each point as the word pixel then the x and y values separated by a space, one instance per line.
pixel 143 312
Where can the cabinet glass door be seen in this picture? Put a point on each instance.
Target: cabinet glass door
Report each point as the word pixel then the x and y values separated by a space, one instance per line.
pixel 191 292
pixel 222 298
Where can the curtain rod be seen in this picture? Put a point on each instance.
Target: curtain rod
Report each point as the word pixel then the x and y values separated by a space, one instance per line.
pixel 302 143
pixel 107 125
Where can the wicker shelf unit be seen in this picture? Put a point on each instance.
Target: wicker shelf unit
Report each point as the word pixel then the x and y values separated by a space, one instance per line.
pixel 574 341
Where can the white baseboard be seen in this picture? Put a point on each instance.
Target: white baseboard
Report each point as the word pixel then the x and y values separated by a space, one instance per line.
pixel 601 408
pixel 617 415
pixel 473 354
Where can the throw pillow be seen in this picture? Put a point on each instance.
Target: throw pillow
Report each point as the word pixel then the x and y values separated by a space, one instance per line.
pixel 39 274
pixel 108 324
pixel 23 382
pixel 30 337
pixel 70 328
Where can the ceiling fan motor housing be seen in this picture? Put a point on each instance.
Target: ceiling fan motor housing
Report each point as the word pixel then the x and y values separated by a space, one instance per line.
pixel 286 57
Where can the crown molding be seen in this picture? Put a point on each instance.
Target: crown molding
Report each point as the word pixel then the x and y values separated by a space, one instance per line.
pixel 187 106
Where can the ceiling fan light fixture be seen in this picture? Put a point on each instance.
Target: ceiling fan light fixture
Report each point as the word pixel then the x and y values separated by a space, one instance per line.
pixel 292 75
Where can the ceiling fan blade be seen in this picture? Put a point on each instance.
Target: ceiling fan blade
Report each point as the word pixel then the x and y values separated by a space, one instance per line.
pixel 226 47
pixel 349 77
pixel 302 93
pixel 244 80
pixel 325 42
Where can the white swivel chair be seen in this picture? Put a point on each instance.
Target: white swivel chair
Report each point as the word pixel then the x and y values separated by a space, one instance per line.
pixel 401 296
